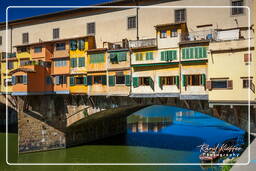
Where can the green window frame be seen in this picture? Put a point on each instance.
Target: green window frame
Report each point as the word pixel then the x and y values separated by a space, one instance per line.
pixel 73 62
pixel 81 44
pixel 81 62
pixel 111 80
pixel 73 44
pixel 168 55
pixel 139 56
pixel 97 58
pixel 135 82
pixel 72 81
pixel 149 56
pixel 127 80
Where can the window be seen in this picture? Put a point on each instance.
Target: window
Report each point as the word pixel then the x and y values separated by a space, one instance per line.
pixel 25 38
pixel 131 22
pixel 38 49
pixel 168 55
pixel 97 58
pixel 60 63
pixel 24 62
pixel 237 9
pixel 60 79
pixel 171 80
pixel 81 62
pixel 81 44
pixel 1 40
pixel 194 53
pixel 120 79
pixel 22 49
pixel 194 80
pixel 49 80
pixel 90 28
pixel 149 56
pixel 60 46
pixel 7 82
pixel 116 57
pixel 21 79
pixel 163 34
pixel 79 80
pixel 56 33
pixel 10 65
pixel 73 62
pixel 174 33
pixel 139 56
pixel 73 45
pixel 99 79
pixel 247 82
pixel 180 15
pixel 144 81
pixel 219 84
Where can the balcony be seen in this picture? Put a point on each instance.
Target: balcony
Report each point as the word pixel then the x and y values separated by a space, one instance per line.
pixel 33 63
pixel 199 36
pixel 144 43
pixel 4 55
pixel 124 44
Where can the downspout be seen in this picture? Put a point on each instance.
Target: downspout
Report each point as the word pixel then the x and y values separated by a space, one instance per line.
pixel 137 18
pixel 11 38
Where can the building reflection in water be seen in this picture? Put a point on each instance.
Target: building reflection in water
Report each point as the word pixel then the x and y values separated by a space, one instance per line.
pixel 147 124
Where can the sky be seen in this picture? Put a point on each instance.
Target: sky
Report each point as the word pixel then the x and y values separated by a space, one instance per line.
pixel 14 13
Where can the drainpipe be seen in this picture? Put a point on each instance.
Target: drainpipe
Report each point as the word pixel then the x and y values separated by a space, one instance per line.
pixel 180 79
pixel 137 18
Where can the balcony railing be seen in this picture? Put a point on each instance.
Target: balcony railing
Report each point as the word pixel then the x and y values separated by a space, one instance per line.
pixel 142 43
pixel 40 63
pixel 4 55
pixel 116 45
pixel 210 35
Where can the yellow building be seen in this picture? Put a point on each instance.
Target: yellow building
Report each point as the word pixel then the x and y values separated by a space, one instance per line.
pixel 6 79
pixel 78 56
pixel 229 81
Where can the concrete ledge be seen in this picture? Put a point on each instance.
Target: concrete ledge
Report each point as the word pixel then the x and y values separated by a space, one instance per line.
pixel 194 97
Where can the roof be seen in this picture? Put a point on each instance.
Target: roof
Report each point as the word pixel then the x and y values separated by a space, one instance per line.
pixel 143 47
pixel 97 50
pixel 22 70
pixel 52 41
pixel 69 12
pixel 169 24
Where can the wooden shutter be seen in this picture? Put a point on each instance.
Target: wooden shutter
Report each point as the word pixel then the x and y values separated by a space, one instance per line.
pixel 187 53
pixel 25 38
pixel 247 57
pixel 72 81
pixel 160 83
pixel 230 84
pixel 89 80
pixel 127 80
pixel 163 56
pixel 200 52
pixel 57 80
pixel 209 85
pixel 85 80
pixel 174 55
pixel 191 53
pixel 104 80
pixel 135 82
pixel 111 81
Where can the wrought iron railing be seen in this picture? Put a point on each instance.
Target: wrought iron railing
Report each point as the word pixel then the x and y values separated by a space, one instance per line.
pixel 142 43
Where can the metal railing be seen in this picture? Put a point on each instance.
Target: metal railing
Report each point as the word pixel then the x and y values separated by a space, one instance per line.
pixel 4 55
pixel 142 43
pixel 210 35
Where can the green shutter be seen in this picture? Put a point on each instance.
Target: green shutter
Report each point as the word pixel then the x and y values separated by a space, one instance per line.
pixel 177 81
pixel 200 52
pixel 25 79
pixel 121 56
pixel 174 55
pixel 13 80
pixel 81 62
pixel 203 79
pixel 72 81
pixel 81 44
pixel 111 80
pixel 85 80
pixel 187 53
pixel 73 62
pixel 163 56
pixel 73 44
pixel 196 52
pixel 137 56
pixel 191 53
pixel 89 80
pixel 151 83
pixel 160 82
pixel 184 81
pixel 183 53
pixel 104 80
pixel 149 55
pixel 135 82
pixel 204 55
pixel 127 80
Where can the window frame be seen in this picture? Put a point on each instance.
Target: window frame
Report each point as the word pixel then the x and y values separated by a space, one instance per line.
pixel 116 77
pixel 130 24
pixel 88 28
pixel 25 38
pixel 237 10
pixel 36 47
pixel 185 15
pixel 55 31
pixel 161 34
pixel 81 79
pixel 56 48
pixel 142 81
